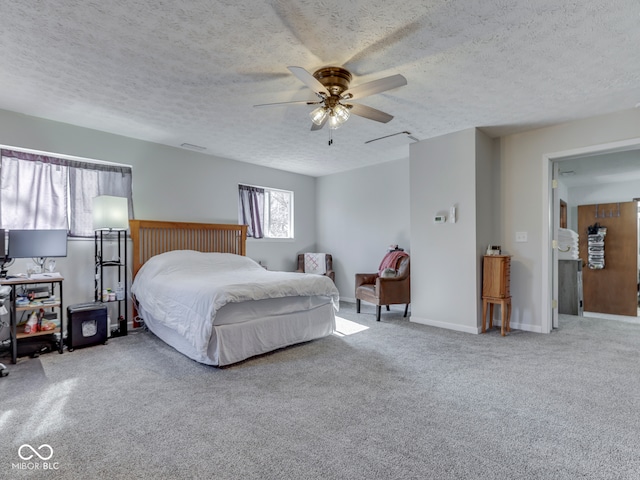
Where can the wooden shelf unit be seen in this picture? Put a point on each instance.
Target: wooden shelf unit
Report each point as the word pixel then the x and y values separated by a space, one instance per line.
pixel 496 289
pixel 17 333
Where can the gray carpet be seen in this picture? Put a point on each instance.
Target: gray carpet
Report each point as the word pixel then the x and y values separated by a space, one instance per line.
pixel 395 401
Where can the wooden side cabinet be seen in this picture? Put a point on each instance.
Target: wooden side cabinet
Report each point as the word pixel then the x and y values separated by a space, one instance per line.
pixel 496 279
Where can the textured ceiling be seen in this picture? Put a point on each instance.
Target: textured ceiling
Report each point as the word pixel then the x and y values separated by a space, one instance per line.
pixel 172 71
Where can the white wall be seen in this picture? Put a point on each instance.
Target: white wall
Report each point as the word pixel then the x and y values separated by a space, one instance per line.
pixel 454 169
pixel 168 184
pixel 524 190
pixel 487 206
pixel 360 213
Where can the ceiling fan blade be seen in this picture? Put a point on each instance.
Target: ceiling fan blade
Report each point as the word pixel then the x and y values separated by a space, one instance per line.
pixel 370 113
pixel 309 80
pixel 300 102
pixel 315 127
pixel 375 86
pixel 408 134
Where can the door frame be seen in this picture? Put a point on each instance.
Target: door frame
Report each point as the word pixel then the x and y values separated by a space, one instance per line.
pixel 550 220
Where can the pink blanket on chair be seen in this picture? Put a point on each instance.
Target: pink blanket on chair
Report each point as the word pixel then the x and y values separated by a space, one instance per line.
pixel 390 260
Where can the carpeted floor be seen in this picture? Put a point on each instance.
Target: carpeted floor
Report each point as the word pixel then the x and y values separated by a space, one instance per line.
pixel 378 400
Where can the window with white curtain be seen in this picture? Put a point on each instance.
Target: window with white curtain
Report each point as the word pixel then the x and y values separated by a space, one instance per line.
pixel 268 212
pixel 33 192
pixel 45 192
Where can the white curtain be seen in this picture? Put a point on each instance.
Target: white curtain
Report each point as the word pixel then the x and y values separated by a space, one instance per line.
pixel 88 181
pixel 251 209
pixel 40 192
pixel 34 192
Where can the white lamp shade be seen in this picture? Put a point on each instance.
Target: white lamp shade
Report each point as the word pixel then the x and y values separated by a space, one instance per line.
pixel 110 213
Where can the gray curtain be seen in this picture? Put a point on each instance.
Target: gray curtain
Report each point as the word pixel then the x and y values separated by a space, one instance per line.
pixel 251 209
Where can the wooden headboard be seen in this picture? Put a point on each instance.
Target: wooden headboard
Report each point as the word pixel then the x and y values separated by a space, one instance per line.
pixel 151 237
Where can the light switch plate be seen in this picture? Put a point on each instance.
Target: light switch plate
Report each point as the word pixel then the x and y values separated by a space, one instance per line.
pixel 521 237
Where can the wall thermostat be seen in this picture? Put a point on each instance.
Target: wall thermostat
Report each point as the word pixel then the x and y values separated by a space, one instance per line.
pixel 440 219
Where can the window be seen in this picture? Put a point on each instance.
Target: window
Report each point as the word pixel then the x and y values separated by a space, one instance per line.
pixel 278 213
pixel 268 212
pixel 43 192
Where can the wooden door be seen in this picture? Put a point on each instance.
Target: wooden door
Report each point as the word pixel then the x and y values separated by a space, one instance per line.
pixel 613 289
pixel 563 214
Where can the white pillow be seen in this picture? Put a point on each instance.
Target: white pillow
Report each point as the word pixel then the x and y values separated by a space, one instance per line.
pixel 388 273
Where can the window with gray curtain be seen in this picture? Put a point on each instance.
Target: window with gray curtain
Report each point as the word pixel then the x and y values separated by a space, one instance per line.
pixel 268 212
pixel 44 192
pixel 251 209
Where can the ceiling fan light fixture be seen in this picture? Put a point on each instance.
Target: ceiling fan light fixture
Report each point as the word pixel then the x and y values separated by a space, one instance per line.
pixel 319 115
pixel 341 112
pixel 333 122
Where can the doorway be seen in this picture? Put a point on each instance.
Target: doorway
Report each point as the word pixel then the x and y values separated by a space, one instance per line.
pixel 552 165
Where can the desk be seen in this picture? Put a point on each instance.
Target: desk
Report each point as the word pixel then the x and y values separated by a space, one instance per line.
pixel 18 334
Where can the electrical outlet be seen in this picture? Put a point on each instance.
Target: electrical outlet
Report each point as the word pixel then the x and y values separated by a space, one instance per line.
pixel 521 237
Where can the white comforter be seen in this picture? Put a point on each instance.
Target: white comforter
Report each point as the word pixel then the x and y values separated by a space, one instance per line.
pixel 184 289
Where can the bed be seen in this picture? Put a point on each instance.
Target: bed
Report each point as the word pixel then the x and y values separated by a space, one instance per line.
pixel 196 290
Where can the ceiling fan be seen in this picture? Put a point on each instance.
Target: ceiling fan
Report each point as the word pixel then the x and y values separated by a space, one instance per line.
pixel 331 86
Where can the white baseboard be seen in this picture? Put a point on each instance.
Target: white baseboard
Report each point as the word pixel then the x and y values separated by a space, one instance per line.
pixel 447 325
pixel 460 328
pixel 525 327
pixel 475 330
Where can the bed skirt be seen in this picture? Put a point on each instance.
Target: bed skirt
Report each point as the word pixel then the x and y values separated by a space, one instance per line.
pixel 243 330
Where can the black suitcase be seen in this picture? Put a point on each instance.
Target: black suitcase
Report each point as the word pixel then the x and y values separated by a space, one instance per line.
pixel 86 325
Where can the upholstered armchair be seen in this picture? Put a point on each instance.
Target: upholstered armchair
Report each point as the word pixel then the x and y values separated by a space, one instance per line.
pixel 380 289
pixel 310 264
